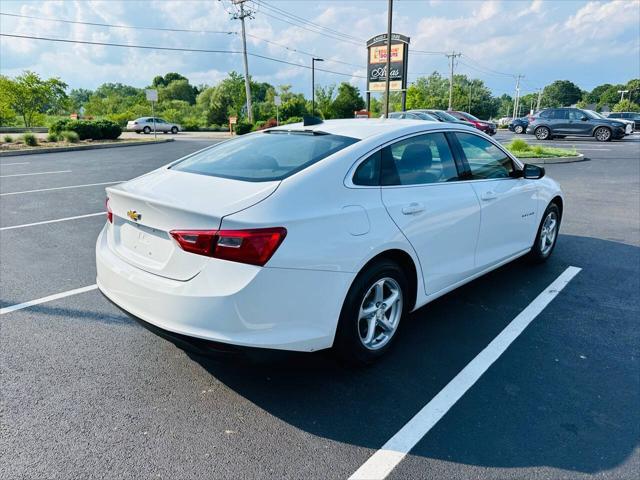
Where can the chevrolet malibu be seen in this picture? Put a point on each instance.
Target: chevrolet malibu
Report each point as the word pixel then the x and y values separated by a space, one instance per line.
pixel 307 237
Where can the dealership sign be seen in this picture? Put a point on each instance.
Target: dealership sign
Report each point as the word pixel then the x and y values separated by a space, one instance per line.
pixel 377 62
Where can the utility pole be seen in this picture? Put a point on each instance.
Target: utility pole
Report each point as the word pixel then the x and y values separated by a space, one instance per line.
pixel 241 15
pixel 388 71
pixel 539 99
pixel 517 97
pixel 451 56
pixel 470 93
pixel 313 84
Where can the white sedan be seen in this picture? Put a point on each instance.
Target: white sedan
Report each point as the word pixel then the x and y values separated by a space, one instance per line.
pixel 306 237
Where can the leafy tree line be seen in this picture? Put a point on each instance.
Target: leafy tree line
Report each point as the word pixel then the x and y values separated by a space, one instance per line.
pixel 29 100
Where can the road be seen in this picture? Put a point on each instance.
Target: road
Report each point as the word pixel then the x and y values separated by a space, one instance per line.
pixel 88 392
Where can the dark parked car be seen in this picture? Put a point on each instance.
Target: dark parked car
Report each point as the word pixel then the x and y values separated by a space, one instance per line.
pixel 413 116
pixel 487 127
pixel 560 122
pixel 443 116
pixel 519 125
pixel 634 116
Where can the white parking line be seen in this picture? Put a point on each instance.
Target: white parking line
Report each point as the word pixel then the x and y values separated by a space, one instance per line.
pixel 12 227
pixel 17 163
pixel 381 463
pixel 38 301
pixel 61 188
pixel 37 173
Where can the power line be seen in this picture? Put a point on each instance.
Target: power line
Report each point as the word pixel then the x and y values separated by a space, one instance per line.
pixel 177 49
pixel 181 30
pixel 480 66
pixel 112 25
pixel 304 21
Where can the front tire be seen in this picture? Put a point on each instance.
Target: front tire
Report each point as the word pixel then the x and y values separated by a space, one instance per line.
pixel 371 313
pixel 542 133
pixel 174 130
pixel 602 134
pixel 146 130
pixel 547 235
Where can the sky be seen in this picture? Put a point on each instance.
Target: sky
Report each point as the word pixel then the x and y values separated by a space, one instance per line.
pixel 587 42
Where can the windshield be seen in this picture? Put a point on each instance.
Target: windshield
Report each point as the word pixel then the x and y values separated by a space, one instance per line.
pixel 592 114
pixel 446 117
pixel 262 157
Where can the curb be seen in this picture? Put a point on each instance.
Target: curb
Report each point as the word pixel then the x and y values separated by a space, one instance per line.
pixel 546 161
pixel 82 147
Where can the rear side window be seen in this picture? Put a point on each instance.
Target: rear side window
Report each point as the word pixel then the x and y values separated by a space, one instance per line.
pixel 264 156
pixel 484 158
pixel 418 160
pixel 368 172
pixel 546 114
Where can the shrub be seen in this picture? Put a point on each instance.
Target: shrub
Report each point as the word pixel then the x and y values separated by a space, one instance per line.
pixel 52 137
pixel 70 136
pixel 96 130
pixel 214 127
pixel 259 125
pixel 223 128
pixel 538 150
pixel 30 139
pixel 268 124
pixel 191 124
pixel 8 138
pixel 292 120
pixel 243 127
pixel 518 145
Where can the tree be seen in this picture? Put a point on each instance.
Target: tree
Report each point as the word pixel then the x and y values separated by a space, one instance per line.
pixel 178 90
pixel 347 101
pixel 561 93
pixel 626 105
pixel 78 97
pixel 28 95
pixel 160 81
pixel 324 101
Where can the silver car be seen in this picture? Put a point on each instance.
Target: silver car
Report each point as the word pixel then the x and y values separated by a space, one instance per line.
pixel 146 125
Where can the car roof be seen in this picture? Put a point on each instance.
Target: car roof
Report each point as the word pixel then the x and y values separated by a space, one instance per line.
pixel 362 128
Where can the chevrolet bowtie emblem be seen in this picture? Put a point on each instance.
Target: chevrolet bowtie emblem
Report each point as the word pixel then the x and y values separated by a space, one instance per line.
pixel 133 215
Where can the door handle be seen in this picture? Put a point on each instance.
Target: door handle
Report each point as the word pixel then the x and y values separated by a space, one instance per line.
pixel 489 195
pixel 413 208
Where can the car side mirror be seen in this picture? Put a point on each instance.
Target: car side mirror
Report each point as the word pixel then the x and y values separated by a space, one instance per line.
pixel 533 172
pixel 584 118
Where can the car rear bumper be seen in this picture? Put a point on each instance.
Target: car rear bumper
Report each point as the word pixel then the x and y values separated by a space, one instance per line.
pixel 237 304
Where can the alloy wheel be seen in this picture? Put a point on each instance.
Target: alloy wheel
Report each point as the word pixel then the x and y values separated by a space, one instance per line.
pixel 380 313
pixel 603 134
pixel 542 133
pixel 548 233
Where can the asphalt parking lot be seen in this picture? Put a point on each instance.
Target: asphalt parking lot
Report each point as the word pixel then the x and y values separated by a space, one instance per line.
pixel 88 392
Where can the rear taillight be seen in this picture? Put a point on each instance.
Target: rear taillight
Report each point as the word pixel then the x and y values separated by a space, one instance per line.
pixel 531 119
pixel 254 246
pixel 109 212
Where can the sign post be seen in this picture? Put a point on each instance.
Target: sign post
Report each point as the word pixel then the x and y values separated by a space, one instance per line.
pixel 232 121
pixel 377 65
pixel 152 96
pixel 277 101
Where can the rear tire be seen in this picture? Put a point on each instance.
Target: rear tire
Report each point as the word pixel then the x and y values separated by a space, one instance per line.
pixel 547 235
pixel 602 134
pixel 371 314
pixel 174 130
pixel 519 129
pixel 542 133
pixel 146 130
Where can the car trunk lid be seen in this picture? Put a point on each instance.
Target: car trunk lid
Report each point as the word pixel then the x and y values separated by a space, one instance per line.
pixel 146 209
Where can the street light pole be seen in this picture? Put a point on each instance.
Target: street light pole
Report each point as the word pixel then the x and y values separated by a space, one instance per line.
pixel 313 84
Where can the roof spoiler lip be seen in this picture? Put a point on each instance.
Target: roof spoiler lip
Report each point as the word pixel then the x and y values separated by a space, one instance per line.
pixel 296 131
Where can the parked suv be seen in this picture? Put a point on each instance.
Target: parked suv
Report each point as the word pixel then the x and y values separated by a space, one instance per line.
pixel 560 122
pixel 633 116
pixel 146 125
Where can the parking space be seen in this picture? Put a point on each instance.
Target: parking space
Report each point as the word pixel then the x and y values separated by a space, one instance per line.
pixel 89 392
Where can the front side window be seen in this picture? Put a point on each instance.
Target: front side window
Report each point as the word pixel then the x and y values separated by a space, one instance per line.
pixel 418 160
pixel 484 158
pixel 263 157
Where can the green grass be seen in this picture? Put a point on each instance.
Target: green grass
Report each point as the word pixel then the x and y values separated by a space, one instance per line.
pixel 522 149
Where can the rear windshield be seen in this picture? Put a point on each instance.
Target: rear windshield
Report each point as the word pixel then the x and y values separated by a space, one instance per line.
pixel 264 156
